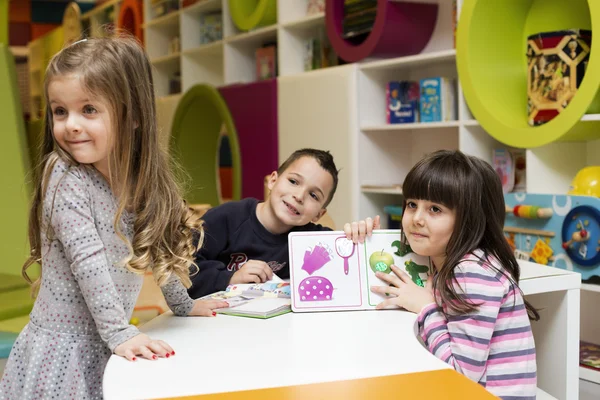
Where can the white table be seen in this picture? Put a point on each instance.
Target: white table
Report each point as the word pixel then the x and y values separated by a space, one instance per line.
pixel 226 354
pixel 233 353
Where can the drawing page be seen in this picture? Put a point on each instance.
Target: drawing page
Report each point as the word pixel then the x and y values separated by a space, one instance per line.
pixel 379 252
pixel 324 272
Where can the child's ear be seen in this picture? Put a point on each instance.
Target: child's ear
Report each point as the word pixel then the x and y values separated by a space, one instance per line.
pixel 319 215
pixel 271 181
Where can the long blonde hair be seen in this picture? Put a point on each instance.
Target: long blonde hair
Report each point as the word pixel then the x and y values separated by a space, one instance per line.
pixel 141 174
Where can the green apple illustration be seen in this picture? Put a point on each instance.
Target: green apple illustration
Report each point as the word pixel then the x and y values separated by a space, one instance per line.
pixel 380 261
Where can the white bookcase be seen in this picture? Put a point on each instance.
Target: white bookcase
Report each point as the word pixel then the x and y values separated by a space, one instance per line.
pixel 381 153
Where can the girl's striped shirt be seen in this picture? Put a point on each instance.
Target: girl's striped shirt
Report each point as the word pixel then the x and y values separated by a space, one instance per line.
pixel 493 345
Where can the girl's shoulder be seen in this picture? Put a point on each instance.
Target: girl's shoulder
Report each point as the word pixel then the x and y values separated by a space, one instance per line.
pixel 61 173
pixel 478 265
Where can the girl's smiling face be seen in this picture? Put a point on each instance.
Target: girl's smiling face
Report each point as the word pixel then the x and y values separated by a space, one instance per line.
pixel 81 124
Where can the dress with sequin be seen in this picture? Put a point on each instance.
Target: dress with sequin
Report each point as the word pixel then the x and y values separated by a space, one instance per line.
pixel 86 297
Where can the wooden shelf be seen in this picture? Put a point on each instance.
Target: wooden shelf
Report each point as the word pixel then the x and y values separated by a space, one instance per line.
pixel 471 122
pixel 170 58
pixel 170 19
pixel 306 23
pixel 404 127
pixel 409 61
pixel 395 189
pixel 253 37
pixel 589 375
pixel 589 287
pixel 209 49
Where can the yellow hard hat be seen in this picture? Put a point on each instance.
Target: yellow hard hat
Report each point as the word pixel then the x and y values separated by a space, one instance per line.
pixel 586 182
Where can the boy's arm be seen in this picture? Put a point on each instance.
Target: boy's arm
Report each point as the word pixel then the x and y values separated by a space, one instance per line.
pixel 212 275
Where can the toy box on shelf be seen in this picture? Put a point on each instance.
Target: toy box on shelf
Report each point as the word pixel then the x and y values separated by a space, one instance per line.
pixel 556 65
pixel 558 230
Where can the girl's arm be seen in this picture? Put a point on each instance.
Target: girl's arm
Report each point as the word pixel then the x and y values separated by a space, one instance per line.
pixel 180 302
pixel 73 224
pixel 464 341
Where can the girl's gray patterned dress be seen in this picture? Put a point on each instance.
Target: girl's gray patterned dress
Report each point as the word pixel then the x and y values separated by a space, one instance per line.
pixel 86 298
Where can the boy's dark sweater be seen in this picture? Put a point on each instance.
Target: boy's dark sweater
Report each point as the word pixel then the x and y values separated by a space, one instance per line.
pixel 232 236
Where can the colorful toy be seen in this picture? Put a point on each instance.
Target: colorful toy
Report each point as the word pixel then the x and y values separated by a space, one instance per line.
pixel 558 230
pixel 556 65
pixel 526 211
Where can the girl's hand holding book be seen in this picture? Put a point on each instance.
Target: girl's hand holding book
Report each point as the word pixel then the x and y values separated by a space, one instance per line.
pixel 204 308
pixel 403 292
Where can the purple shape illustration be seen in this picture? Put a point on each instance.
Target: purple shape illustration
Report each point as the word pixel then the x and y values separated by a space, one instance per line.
pixel 345 249
pixel 315 288
pixel 315 258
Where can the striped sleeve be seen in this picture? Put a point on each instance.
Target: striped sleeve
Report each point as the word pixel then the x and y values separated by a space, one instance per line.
pixel 464 341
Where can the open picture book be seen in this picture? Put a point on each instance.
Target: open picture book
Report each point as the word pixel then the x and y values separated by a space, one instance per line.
pixel 330 273
pixel 255 300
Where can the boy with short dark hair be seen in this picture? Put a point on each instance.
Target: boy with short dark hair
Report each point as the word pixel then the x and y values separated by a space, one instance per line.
pixel 246 241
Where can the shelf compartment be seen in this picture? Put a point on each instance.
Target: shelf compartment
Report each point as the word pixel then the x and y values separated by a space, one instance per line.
pixel 203 65
pixel 394 23
pixel 490 48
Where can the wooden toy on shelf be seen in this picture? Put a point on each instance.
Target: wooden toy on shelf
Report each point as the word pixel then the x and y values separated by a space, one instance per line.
pixel 532 212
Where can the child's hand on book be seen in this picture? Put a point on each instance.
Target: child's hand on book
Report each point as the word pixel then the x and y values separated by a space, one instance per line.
pixel 142 345
pixel 403 292
pixel 253 271
pixel 358 230
pixel 204 308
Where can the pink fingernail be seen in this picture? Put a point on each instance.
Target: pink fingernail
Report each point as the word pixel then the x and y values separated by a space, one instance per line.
pixel 133 359
pixel 214 314
pixel 167 355
pixel 173 353
pixel 154 357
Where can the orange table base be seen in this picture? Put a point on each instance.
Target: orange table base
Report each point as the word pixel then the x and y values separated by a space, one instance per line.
pixel 440 384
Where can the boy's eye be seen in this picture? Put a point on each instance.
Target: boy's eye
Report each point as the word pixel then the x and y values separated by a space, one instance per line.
pixel 88 109
pixel 314 196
